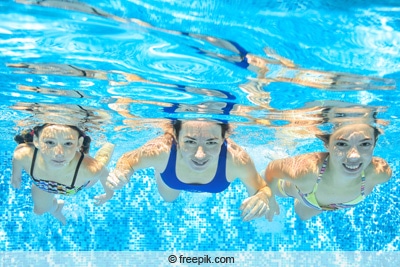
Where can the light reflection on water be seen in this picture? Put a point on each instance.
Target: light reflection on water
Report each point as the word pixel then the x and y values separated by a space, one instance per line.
pixel 154 71
pixel 111 70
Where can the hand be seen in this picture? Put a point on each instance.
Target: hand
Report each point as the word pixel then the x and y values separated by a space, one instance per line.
pixel 116 180
pixel 16 182
pixel 273 209
pixel 101 199
pixel 253 207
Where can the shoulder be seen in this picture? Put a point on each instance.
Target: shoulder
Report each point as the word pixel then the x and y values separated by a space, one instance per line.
pixel 237 154
pixel 297 166
pixel 239 164
pixel 24 151
pixel 90 167
pixel 152 154
pixel 157 146
pixel 381 170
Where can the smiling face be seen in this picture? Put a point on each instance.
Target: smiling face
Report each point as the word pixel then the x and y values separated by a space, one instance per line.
pixel 351 148
pixel 58 145
pixel 200 144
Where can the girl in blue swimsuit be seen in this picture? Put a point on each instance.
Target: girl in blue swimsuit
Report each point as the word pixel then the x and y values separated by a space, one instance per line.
pixel 56 158
pixel 337 179
pixel 196 156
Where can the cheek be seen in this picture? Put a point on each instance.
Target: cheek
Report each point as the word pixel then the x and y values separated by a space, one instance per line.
pixel 339 153
pixel 185 151
pixel 214 151
pixel 45 149
pixel 367 155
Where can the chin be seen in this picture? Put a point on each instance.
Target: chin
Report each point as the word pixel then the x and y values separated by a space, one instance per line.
pixel 354 173
pixel 59 165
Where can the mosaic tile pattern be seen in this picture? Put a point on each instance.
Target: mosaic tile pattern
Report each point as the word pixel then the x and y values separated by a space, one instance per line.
pixel 137 219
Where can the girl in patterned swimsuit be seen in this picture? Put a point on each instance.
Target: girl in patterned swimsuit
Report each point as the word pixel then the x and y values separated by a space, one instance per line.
pixel 339 178
pixel 56 158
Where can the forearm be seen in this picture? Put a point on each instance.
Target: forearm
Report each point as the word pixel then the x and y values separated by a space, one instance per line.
pixel 265 193
pixel 126 164
pixel 16 173
pixel 103 155
pixel 16 168
pixel 274 180
pixel 107 189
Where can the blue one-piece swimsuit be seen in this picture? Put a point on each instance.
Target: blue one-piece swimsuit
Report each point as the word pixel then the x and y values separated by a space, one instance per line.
pixel 218 184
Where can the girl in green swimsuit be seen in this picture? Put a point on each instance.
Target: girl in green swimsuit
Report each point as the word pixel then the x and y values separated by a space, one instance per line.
pixel 339 178
pixel 56 158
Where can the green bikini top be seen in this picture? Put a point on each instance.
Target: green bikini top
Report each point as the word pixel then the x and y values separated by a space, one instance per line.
pixel 310 199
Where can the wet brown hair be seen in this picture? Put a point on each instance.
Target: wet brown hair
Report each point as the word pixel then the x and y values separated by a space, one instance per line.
pixel 26 136
pixel 326 137
pixel 177 126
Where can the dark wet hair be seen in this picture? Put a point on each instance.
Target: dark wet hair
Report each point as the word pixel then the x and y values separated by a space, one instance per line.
pixel 26 136
pixel 326 137
pixel 177 126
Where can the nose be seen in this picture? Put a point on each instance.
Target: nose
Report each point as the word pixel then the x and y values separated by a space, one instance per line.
pixel 200 153
pixel 353 154
pixel 59 151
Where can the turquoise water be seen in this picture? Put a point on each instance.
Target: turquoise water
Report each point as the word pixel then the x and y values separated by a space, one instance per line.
pixel 121 68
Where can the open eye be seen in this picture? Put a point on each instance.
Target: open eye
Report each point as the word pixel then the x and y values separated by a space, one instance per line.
pixel 341 144
pixel 211 143
pixel 190 142
pixel 49 143
pixel 69 143
pixel 366 144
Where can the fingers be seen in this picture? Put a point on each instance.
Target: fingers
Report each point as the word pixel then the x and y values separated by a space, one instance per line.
pixel 16 185
pixel 274 209
pixel 269 216
pixel 100 200
pixel 252 208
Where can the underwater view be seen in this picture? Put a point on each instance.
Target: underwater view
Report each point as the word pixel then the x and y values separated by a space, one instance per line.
pixel 233 133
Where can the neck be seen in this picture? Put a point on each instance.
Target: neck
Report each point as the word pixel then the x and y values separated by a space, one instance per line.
pixel 338 177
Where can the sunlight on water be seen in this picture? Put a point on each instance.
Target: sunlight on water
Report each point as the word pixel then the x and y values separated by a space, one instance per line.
pixel 281 72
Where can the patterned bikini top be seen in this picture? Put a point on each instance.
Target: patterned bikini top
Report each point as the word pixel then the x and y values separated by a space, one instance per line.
pixel 310 199
pixel 55 187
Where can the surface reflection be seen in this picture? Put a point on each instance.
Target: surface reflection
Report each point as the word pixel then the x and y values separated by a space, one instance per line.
pixel 86 118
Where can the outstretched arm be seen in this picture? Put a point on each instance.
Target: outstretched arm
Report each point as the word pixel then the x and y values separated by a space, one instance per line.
pixel 104 154
pixel 22 154
pixel 103 157
pixel 153 154
pixel 240 165
pixel 124 169
pixel 16 173
pixel 101 199
pixel 294 171
pixel 260 202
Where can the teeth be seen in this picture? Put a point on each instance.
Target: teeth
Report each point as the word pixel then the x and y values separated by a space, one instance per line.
pixel 353 167
pixel 200 163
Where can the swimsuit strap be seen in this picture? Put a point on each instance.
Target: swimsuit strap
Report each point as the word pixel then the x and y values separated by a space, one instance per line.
pixel 77 169
pixel 33 162
pixel 221 168
pixel 363 184
pixel 322 170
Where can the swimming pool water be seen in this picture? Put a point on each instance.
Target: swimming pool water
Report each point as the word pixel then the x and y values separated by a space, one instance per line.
pixel 119 67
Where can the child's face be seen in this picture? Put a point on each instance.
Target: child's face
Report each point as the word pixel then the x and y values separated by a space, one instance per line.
pixel 58 145
pixel 351 148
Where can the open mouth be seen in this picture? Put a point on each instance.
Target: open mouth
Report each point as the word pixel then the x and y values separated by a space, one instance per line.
pixel 352 167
